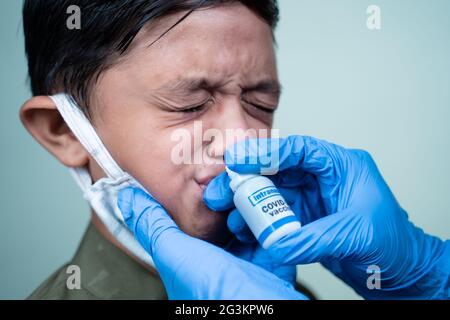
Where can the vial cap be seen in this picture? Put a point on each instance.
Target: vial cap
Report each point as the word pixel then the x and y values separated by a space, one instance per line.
pixel 237 178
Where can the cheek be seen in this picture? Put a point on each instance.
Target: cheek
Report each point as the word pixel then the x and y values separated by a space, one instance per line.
pixel 263 129
pixel 149 159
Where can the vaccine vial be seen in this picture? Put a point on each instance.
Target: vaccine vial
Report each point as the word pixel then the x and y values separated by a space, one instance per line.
pixel 263 208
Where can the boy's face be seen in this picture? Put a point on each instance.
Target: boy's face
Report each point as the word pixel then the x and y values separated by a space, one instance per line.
pixel 221 57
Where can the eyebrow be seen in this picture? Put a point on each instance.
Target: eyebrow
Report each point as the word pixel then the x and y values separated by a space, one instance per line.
pixel 187 84
pixel 195 84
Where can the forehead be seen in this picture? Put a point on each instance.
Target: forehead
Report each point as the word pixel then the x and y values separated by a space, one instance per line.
pixel 227 42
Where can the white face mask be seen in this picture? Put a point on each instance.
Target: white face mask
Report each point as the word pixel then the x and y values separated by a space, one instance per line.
pixel 102 195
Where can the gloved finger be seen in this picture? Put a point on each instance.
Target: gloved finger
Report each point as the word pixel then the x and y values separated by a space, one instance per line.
pixel 239 227
pixel 338 236
pixel 144 216
pixel 308 154
pixel 218 195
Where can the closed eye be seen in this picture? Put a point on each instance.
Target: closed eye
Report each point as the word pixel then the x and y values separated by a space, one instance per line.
pixel 193 109
pixel 196 108
pixel 268 110
pixel 260 107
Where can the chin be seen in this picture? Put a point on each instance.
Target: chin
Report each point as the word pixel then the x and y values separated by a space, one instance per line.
pixel 220 237
pixel 211 227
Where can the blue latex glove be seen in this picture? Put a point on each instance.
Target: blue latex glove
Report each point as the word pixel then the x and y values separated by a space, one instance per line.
pixel 194 269
pixel 351 220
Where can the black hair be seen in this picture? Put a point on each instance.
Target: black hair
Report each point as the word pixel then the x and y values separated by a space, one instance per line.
pixel 71 60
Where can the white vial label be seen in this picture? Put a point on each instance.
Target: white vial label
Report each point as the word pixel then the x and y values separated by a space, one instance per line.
pixel 265 210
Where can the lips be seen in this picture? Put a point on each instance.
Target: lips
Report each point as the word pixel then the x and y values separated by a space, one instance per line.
pixel 203 182
pixel 205 179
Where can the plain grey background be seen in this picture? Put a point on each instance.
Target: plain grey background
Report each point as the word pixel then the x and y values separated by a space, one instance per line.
pixel 386 91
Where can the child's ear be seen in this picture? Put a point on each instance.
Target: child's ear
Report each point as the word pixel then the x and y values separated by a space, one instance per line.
pixel 41 118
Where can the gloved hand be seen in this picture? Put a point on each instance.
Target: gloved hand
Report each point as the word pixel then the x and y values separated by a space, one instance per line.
pixel 194 269
pixel 351 221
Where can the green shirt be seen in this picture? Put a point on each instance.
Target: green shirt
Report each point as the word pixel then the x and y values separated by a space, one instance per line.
pixel 106 272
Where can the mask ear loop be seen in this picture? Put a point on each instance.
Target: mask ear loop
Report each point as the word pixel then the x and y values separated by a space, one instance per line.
pixel 102 195
pixel 85 133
